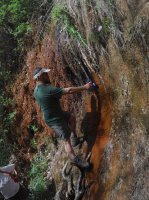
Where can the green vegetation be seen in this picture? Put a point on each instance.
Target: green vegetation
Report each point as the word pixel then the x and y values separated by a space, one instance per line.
pixel 16 19
pixel 106 24
pixel 57 13
pixel 33 128
pixel 33 144
pixel 40 187
pixel 62 17
pixel 38 168
pixel 7 116
pixel 111 3
pixel 5 149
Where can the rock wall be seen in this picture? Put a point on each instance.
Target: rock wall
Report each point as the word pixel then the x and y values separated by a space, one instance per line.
pixel 110 38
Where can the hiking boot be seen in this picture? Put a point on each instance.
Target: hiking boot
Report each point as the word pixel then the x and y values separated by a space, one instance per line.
pixel 74 139
pixel 80 163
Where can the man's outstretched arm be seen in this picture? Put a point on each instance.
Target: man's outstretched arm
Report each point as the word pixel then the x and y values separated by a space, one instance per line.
pixel 71 90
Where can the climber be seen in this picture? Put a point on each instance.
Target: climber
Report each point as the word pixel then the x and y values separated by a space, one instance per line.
pixel 10 188
pixel 47 97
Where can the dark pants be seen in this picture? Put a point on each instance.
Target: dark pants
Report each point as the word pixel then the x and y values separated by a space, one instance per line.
pixel 22 194
pixel 62 129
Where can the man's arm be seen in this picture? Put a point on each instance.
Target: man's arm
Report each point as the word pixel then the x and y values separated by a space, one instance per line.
pixel 71 90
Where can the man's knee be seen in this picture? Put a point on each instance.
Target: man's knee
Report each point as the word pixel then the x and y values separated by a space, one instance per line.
pixel 66 141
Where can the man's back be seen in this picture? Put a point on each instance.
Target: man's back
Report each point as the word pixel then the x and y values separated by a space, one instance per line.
pixel 48 97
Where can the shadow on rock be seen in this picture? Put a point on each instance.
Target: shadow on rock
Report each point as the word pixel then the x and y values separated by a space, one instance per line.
pixel 91 121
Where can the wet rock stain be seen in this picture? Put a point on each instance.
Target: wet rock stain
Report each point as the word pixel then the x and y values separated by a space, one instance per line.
pixel 96 127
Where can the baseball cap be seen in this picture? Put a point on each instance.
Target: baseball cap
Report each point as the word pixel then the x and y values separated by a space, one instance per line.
pixel 39 71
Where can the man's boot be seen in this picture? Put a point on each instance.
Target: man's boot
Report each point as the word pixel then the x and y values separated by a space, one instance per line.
pixel 75 140
pixel 80 163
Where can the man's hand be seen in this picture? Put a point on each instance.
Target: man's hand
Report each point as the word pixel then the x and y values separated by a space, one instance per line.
pixel 88 85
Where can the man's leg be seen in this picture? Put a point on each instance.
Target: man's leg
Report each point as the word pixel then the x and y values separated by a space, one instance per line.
pixel 68 148
pixel 74 159
pixel 63 131
pixel 72 125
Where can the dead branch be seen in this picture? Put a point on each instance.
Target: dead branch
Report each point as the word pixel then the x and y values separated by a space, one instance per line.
pixel 69 179
pixel 81 188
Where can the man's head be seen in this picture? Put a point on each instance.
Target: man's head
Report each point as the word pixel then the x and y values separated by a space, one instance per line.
pixel 41 74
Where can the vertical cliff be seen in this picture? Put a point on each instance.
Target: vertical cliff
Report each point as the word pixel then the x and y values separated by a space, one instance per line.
pixel 111 39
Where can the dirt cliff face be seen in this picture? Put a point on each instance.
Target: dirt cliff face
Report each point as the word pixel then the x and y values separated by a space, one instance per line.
pixel 111 39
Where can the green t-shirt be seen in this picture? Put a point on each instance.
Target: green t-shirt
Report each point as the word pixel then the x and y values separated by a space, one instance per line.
pixel 47 97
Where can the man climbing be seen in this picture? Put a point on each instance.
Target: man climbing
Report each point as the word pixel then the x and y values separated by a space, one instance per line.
pixel 47 97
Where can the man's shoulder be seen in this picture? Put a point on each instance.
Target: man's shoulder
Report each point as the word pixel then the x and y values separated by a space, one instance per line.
pixel 53 88
pixel 50 90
